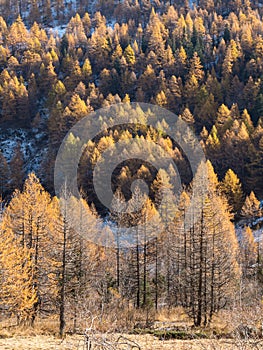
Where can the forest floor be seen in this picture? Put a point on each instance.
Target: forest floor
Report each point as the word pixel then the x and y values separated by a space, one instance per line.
pixel 44 335
pixel 146 342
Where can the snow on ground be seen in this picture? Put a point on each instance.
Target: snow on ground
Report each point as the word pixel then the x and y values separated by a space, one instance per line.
pixel 57 31
pixel 33 146
pixel 191 4
pixel 10 138
pixel 257 232
pixel 111 23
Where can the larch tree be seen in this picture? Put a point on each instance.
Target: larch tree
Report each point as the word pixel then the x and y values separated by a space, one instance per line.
pixel 63 231
pixel 83 229
pixel 165 202
pixel 187 116
pixel 151 224
pixel 231 187
pixel 18 36
pixel 76 225
pixel 161 99
pixel 86 23
pixel 17 169
pixel 232 54
pixel 196 68
pixel 181 61
pixel 224 119
pixel 174 93
pixel 118 216
pixel 86 70
pixel 29 218
pixel 4 175
pixel 76 110
pixel 18 294
pixel 129 55
pixel 99 47
pixel 251 208
pixel 178 252
pixel 134 207
pixel 211 250
pixel 248 252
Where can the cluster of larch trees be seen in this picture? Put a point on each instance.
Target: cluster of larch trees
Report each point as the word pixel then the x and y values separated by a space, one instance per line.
pixel 202 64
pixel 191 258
pixel 42 259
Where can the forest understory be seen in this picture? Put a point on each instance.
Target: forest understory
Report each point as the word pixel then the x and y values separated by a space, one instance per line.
pixel 170 330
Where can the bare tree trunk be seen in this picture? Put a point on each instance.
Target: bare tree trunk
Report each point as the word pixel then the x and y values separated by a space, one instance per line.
pixel 118 261
pixel 63 282
pixel 212 301
pixel 144 271
pixel 138 270
pixel 200 275
pixel 156 273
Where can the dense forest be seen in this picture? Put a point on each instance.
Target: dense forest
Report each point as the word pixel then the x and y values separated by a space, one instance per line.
pixel 60 61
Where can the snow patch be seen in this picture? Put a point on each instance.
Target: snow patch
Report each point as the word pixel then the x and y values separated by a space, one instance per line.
pixel 191 4
pixel 33 146
pixel 57 31
pixel 111 23
pixel 258 234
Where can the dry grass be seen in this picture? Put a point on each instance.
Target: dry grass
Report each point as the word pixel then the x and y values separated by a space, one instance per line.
pixel 147 342
pixel 44 335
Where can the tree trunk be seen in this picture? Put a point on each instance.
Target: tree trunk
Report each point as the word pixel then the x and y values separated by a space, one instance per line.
pixel 63 282
pixel 138 270
pixel 144 272
pixel 118 261
pixel 156 273
pixel 200 275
